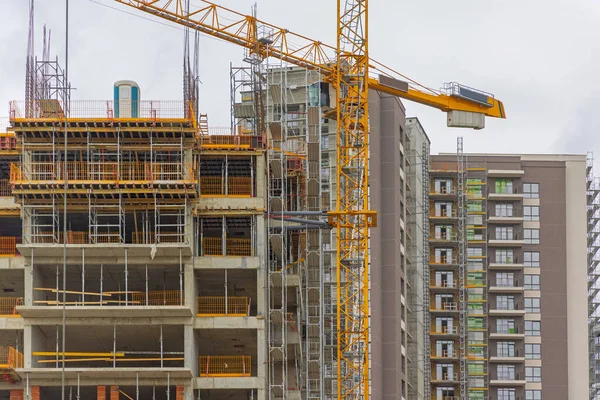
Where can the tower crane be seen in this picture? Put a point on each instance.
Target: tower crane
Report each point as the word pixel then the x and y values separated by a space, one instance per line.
pixel 348 67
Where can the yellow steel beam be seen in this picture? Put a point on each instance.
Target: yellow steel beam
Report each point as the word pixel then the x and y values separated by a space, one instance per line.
pixel 76 354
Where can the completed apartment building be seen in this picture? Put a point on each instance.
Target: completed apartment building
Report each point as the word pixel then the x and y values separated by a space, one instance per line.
pixel 507 282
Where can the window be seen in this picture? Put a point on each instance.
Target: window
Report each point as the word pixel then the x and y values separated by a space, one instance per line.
pixel 505 302
pixel 533 351
pixel 531 213
pixel 504 325
pixel 504 186
pixel 531 258
pixel 474 220
pixel 532 282
pixel 531 190
pixel 504 233
pixel 506 394
pixel 532 304
pixel 533 374
pixel 505 279
pixel 504 210
pixel 533 395
pixel 505 349
pixel 533 328
pixel 532 236
pixel 506 372
pixel 504 256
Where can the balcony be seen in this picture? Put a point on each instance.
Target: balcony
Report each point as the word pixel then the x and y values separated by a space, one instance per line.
pixel 506 240
pixel 514 286
pixel 444 330
pixel 515 310
pixel 443 285
pixel 442 214
pixel 516 379
pixel 221 306
pixel 514 193
pixel 516 356
pixel 443 237
pixel 511 333
pixel 505 173
pixel 444 378
pixel 442 192
pixel 443 261
pixel 444 355
pixel 505 216
pixel 509 262
pixel 448 307
pixel 225 366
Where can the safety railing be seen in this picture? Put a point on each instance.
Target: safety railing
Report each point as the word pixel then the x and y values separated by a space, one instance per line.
pixel 444 260
pixel 442 190
pixel 8 142
pixel 219 306
pixel 105 171
pixel 446 284
pixel 10 358
pixel 448 306
pixel 443 236
pixel 232 186
pixel 213 246
pixel 141 237
pixel 100 109
pixel 8 305
pixel 235 142
pixel 225 366
pixel 8 245
pixel 444 330
pixel 445 213
pixel 444 377
pixel 157 298
pixel 48 237
pixel 445 354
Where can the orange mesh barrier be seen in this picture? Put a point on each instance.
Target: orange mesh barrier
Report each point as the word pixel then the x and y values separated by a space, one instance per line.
pixel 5 188
pixel 157 298
pixel 8 245
pixel 214 306
pixel 10 357
pixel 8 305
pixel 232 186
pixel 225 366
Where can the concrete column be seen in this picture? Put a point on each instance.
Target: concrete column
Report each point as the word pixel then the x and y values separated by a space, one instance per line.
pixel 16 394
pixel 114 393
pixel 190 357
pixel 260 273
pixel 101 393
pixel 189 286
pixel 261 353
pixel 33 340
pixel 260 177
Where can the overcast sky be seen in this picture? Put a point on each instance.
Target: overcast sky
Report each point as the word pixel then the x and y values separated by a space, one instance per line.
pixel 539 57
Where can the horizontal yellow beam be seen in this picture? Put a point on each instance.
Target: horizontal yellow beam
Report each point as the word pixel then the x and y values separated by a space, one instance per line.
pixel 75 354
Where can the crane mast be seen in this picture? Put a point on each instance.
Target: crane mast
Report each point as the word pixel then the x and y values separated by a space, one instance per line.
pixel 352 216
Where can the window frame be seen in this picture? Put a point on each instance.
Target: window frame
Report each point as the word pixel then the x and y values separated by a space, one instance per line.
pixel 532 239
pixel 533 377
pixel 532 308
pixel 533 394
pixel 532 285
pixel 506 393
pixel 505 370
pixel 531 190
pixel 532 263
pixel 531 216
pixel 535 351
pixel 503 255
pixel 533 331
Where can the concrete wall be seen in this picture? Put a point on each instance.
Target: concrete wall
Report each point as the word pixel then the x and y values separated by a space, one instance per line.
pixel 387 273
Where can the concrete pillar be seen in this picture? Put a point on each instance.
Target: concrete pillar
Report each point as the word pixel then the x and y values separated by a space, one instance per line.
pixel 190 357
pixel 189 287
pixel 261 188
pixel 114 393
pixel 180 392
pixel 101 393
pixel 16 394
pixel 261 353
pixel 260 273
pixel 34 393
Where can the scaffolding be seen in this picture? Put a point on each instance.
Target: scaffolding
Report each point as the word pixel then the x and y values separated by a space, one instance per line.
pixel 593 252
pixel 425 266
pixel 462 261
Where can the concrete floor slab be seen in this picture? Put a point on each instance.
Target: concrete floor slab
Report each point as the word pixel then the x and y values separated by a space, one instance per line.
pixel 229 322
pixel 12 262
pixel 226 262
pixel 105 249
pixel 229 383
pixel 11 323
pixel 101 376
pixel 230 203
pixel 105 312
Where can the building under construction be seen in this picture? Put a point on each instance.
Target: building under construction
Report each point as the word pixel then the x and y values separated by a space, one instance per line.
pixel 147 255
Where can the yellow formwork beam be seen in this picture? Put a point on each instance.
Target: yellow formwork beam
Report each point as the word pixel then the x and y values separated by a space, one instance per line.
pixel 75 354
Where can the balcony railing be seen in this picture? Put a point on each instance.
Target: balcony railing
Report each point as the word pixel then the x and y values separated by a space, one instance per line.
pixel 10 358
pixel 214 246
pixel 232 186
pixel 445 377
pixel 8 246
pixel 157 298
pixel 443 260
pixel 98 172
pixel 101 109
pixel 221 306
pixel 5 187
pixel 515 259
pixel 449 306
pixel 507 237
pixel 442 190
pixel 443 284
pixel 515 189
pixel 447 213
pixel 231 142
pixel 444 330
pixel 83 237
pixel 444 236
pixel 8 305
pixel 445 354
pixel 225 366
pixel 505 213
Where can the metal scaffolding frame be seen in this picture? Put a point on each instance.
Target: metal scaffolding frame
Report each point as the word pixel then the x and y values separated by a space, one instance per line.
pixel 426 274
pixel 277 243
pixel 462 261
pixel 593 253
